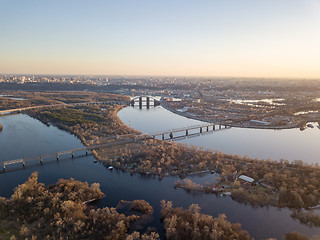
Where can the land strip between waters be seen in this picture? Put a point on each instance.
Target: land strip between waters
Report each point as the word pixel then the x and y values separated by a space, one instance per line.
pixel 94 124
pixel 287 180
pixel 162 158
pixel 231 124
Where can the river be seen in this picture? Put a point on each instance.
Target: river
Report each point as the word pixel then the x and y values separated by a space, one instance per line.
pixel 289 144
pixel 24 136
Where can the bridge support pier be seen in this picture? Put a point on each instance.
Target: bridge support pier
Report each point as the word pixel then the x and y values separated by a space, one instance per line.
pixel 86 152
pixel 140 102
pixel 41 160
pixel 187 133
pixel 148 102
pixel 171 135
pixel 23 164
pixel 214 127
pixel 219 126
pixel 200 129
pixel 72 155
pixel 4 167
pixel 57 157
pixel 156 102
pixel 207 128
pixel 162 136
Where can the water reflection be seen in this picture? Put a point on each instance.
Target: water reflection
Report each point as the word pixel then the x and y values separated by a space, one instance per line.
pixel 26 136
pixel 11 97
pixel 289 144
pixel 254 102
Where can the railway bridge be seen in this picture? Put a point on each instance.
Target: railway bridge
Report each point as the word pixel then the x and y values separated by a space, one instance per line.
pixel 145 99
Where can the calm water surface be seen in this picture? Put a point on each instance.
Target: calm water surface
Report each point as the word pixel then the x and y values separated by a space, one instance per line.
pixel 289 144
pixel 24 136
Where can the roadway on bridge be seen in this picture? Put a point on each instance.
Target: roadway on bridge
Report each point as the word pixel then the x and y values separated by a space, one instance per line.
pixel 122 140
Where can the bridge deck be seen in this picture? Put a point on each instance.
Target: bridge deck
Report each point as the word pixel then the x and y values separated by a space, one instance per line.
pixel 119 140
pixel 186 128
pixel 70 151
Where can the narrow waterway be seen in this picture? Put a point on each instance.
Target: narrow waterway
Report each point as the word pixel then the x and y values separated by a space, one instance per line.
pixel 23 136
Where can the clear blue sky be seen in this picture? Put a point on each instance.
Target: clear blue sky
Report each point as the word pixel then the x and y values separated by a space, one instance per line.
pixel 261 38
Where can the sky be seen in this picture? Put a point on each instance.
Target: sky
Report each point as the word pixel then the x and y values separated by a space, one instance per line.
pixel 244 38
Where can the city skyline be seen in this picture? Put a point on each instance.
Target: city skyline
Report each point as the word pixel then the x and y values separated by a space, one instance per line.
pixel 181 38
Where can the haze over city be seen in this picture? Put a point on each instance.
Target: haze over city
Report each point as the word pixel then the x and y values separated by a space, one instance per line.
pixel 191 38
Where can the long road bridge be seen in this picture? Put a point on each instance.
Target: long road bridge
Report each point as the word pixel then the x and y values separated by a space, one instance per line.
pixel 172 134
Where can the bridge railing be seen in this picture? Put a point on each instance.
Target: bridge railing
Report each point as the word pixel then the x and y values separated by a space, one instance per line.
pixel 119 140
pixel 183 129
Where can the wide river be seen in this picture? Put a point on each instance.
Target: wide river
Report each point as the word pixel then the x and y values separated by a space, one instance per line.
pixel 289 144
pixel 23 136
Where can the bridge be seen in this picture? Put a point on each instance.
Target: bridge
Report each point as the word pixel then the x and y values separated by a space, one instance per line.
pixel 186 131
pixel 145 99
pixel 57 155
pixel 19 110
pixel 170 135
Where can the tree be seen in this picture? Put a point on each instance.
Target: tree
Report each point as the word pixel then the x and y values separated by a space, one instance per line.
pixel 295 236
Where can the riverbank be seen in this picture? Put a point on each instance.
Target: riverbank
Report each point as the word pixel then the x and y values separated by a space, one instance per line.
pixel 174 169
pixel 86 123
pixel 36 211
pixel 132 185
pixel 194 117
pixel 156 157
pixel 100 124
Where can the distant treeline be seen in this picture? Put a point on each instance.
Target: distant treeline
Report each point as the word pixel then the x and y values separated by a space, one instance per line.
pixel 67 87
pixel 83 87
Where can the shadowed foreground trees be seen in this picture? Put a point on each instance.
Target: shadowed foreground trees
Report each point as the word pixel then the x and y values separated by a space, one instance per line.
pixel 295 236
pixel 296 184
pixel 35 211
pixel 191 224
pixel 141 206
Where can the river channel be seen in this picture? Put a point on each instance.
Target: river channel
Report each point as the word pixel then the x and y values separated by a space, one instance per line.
pixel 289 144
pixel 24 136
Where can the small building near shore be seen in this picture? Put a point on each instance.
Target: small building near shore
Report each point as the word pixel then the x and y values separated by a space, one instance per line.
pixel 259 122
pixel 246 181
pixel 246 178
pixel 217 189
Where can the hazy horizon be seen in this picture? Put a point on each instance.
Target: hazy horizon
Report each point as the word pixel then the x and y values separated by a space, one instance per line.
pixel 163 76
pixel 226 39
